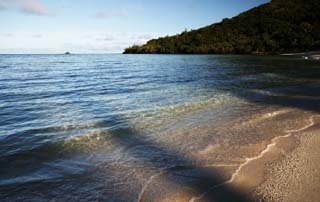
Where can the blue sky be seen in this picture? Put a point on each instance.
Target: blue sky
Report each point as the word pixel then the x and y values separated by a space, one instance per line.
pixel 103 26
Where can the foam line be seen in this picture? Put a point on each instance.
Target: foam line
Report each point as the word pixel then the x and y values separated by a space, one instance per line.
pixel 266 150
pixel 150 180
pixel 146 185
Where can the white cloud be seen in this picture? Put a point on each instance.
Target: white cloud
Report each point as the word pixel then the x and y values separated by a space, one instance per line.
pixel 122 13
pixel 71 40
pixel 105 42
pixel 6 35
pixel 34 7
pixel 142 37
pixel 107 37
pixel 2 7
pixel 111 14
pixel 37 36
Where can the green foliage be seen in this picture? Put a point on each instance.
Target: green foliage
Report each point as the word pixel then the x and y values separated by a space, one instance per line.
pixel 278 26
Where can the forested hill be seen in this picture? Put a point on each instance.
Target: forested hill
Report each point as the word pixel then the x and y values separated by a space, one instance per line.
pixel 275 27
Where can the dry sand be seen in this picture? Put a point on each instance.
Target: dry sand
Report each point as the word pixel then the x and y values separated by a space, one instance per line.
pixel 296 177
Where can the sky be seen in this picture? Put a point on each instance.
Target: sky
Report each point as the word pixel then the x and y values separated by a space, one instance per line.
pixel 104 26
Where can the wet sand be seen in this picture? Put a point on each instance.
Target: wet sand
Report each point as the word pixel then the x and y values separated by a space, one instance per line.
pixel 296 177
pixel 286 168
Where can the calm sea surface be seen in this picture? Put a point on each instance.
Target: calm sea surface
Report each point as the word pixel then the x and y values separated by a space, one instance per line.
pixel 127 127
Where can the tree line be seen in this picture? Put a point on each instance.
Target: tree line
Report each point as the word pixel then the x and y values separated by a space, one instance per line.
pixel 278 26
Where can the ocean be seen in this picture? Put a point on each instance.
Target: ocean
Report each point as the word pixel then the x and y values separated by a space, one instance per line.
pixel 123 128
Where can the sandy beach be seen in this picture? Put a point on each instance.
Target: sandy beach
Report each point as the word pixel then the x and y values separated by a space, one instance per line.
pixel 312 55
pixel 296 176
pixel 287 170
pixel 281 169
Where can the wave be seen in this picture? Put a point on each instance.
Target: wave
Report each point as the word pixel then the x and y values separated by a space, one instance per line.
pixel 56 159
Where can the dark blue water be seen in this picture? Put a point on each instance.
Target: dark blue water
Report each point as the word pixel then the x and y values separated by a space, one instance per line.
pixel 96 127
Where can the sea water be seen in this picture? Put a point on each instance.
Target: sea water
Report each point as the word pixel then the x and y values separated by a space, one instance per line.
pixel 112 127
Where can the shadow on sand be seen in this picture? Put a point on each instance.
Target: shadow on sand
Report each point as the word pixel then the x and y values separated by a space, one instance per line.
pixel 184 173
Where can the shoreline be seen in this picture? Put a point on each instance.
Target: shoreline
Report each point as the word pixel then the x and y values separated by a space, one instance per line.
pixel 252 178
pixel 279 170
pixel 296 176
pixel 312 55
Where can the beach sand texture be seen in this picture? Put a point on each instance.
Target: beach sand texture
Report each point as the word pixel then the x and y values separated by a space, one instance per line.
pixel 295 177
pixel 284 169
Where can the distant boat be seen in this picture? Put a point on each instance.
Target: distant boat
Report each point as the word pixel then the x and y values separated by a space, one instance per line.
pixel 67 53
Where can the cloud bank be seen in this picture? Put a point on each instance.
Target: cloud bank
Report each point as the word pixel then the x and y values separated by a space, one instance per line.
pixel 33 7
pixel 72 41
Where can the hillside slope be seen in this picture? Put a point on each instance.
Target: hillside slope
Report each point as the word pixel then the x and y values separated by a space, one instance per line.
pixel 278 26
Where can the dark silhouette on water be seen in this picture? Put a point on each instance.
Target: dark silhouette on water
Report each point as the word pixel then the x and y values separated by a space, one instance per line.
pixel 297 85
pixel 202 181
